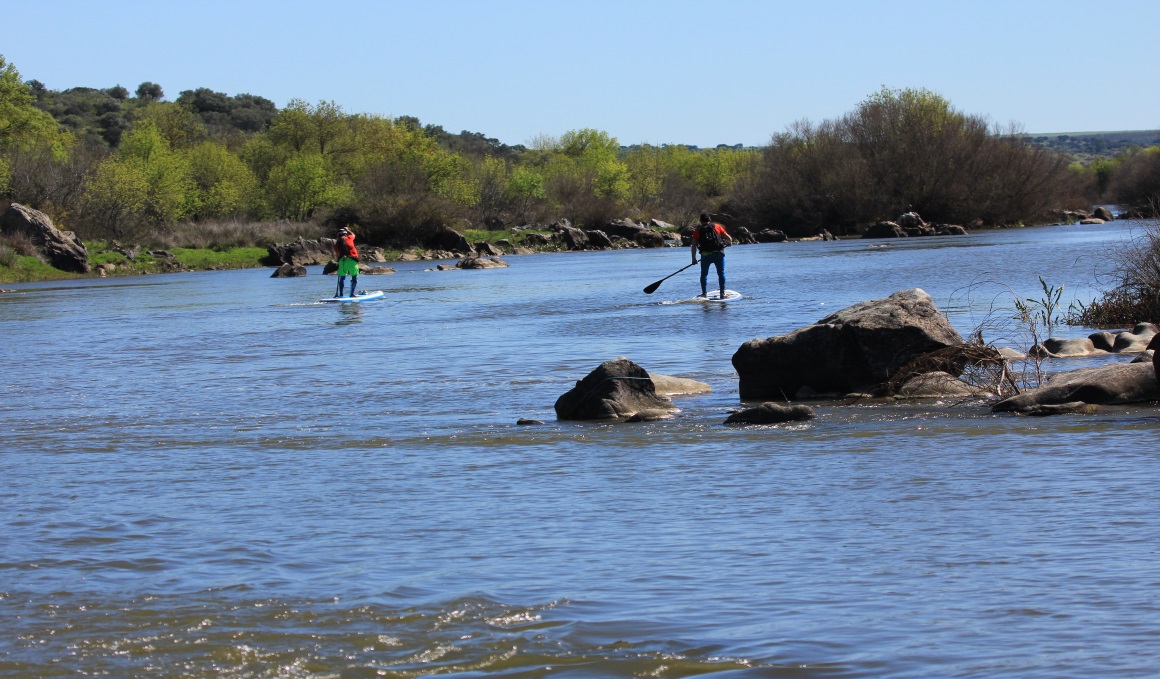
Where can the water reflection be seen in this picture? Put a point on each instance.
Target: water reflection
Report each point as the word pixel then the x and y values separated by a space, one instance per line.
pixel 348 314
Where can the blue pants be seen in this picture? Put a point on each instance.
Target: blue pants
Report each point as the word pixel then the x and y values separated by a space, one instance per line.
pixel 717 258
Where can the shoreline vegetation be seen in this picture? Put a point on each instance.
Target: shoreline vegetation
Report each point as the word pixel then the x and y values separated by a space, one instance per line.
pixel 211 180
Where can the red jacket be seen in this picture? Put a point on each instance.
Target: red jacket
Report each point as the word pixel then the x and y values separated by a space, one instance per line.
pixel 351 251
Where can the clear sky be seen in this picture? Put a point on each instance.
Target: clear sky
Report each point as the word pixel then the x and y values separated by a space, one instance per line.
pixel 644 71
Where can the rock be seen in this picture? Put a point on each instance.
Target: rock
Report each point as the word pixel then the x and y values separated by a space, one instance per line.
pixel 445 267
pixel 911 220
pixel 1073 408
pixel 62 249
pixel 855 349
pixel 938 384
pixel 598 239
pixel 524 422
pixel 1103 213
pixel 616 389
pixel 481 263
pixel 679 386
pixel 1146 356
pixel 1154 345
pixel 450 239
pixel 410 257
pixel 884 230
pixel 1091 220
pixel 1109 384
pixel 771 413
pixel 625 228
pixel 486 249
pixel 301 252
pixel 377 270
pixel 1104 341
pixel 949 230
pixel 493 223
pixel 919 231
pixel 1011 354
pixel 651 415
pixel 1055 347
pixel 770 236
pixel 505 245
pixel 1135 341
pixel 649 239
pixel 741 235
pixel 572 238
pixel 289 271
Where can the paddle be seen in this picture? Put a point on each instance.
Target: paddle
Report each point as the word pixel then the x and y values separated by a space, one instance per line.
pixel 653 287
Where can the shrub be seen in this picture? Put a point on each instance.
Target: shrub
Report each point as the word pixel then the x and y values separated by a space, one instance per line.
pixel 1136 296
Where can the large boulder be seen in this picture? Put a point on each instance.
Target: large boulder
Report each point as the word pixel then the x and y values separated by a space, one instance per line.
pixel 884 230
pixel 301 252
pixel 62 249
pixel 855 349
pixel 598 239
pixel 572 238
pixel 650 239
pixel 625 228
pixel 481 263
pixel 1154 345
pixel 616 389
pixel 1136 340
pixel 1109 384
pixel 450 239
pixel 1103 213
pixel 289 271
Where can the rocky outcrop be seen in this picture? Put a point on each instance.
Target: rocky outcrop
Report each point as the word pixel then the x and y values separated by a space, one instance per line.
pixel 1103 213
pixel 1109 384
pixel 572 238
pixel 771 413
pixel 62 249
pixel 598 239
pixel 949 230
pixel 649 239
pixel 855 349
pixel 616 389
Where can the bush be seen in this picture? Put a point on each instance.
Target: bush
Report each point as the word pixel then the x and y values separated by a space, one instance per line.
pixel 1136 182
pixel 1136 297
pixel 902 151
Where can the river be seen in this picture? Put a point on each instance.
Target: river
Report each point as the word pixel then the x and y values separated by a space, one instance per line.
pixel 209 474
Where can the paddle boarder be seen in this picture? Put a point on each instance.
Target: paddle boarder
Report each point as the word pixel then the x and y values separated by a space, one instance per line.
pixel 711 239
pixel 347 255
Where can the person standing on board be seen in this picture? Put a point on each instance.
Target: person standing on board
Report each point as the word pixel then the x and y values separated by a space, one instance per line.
pixel 347 255
pixel 711 239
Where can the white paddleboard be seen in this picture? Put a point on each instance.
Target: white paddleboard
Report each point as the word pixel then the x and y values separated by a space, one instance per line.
pixel 715 296
pixel 360 297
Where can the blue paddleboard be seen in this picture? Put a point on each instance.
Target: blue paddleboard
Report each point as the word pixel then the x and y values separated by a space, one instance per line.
pixel 360 297
pixel 715 296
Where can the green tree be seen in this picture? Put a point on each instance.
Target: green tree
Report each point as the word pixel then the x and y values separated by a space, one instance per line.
pixel 22 125
pixel 223 184
pixel 145 150
pixel 303 185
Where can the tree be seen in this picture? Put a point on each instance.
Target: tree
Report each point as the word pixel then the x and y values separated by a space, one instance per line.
pixel 150 91
pixel 223 184
pixel 303 185
pixel 145 151
pixel 22 125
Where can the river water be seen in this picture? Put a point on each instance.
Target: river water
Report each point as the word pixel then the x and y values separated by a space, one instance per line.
pixel 207 474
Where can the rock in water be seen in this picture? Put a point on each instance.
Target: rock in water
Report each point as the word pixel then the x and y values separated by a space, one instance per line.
pixel 616 389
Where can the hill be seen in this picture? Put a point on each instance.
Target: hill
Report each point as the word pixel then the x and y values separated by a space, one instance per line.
pixel 1088 146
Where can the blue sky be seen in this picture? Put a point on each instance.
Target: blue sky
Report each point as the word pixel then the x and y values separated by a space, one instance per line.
pixel 644 71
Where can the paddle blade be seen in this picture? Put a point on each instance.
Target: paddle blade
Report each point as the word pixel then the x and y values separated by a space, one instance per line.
pixel 653 288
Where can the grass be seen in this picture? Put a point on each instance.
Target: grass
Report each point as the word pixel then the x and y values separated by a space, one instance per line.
pixel 16 268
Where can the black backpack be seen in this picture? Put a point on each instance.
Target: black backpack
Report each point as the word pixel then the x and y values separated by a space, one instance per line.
pixel 708 240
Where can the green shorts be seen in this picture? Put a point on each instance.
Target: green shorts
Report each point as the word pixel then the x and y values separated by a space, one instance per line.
pixel 347 266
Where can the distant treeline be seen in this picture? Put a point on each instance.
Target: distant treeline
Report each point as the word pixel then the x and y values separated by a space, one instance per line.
pixel 110 164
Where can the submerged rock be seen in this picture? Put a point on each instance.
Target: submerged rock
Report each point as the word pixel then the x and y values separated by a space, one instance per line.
pixel 938 384
pixel 771 413
pixel 289 271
